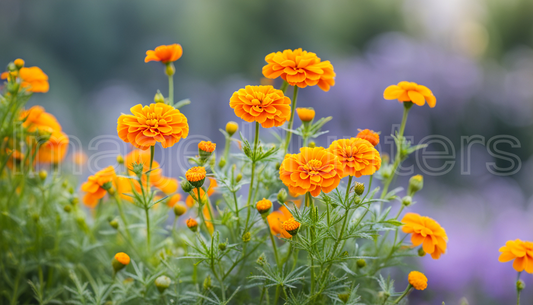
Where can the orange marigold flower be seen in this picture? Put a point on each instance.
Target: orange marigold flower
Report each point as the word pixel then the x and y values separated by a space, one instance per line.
pixel 306 114
pixel 32 78
pixel 37 118
pixel 54 150
pixel 358 156
pixel 519 251
pixel 207 217
pixel 94 186
pixel 192 224
pixel 150 124
pixel 291 226
pixel 427 232
pixel 164 54
pixel 263 206
pixel 312 170
pixel 157 179
pixel 207 146
pixel 171 202
pixel 276 220
pixel 195 174
pixel 300 68
pixel 263 104
pixel 418 280
pixel 369 135
pixel 123 258
pixel 410 92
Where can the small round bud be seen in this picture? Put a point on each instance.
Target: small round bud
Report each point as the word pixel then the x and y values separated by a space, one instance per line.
pixel 170 69
pixel 19 63
pixel 71 190
pixel 159 98
pixel 67 208
pixel 120 261
pixel 205 149
pixel 107 185
pixel 74 201
pixel 359 188
pixel 407 201
pixel 120 159
pixel 222 246
pixel 239 177
pixel 179 209
pixel 222 162
pixel 231 128
pixel 306 115
pixel 278 165
pixel 520 285
pixel 361 263
pixel 291 226
pixel 13 88
pixel 261 260
pixel 114 224
pixel 416 183
pixel 162 283
pixel 421 252
pixel 11 67
pixel 186 186
pixel 192 224
pixel 64 184
pixel 196 176
pixel 282 195
pixel 207 282
pixel 344 297
pixel 43 174
pixel 246 237
pixel 263 206
pixel 111 191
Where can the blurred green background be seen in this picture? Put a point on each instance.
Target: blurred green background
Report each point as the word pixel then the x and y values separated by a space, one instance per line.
pixel 476 56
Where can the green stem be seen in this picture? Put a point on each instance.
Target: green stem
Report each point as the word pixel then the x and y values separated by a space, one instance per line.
pixel 122 215
pixel 211 214
pixel 407 290
pixel 291 120
pixel 226 150
pixel 284 86
pixel 274 246
pixel 237 210
pixel 256 140
pixel 147 213
pixel 171 90
pixel 345 216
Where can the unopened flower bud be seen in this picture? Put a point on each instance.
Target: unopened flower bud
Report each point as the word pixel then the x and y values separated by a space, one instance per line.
pixel 421 252
pixel 416 183
pixel 179 209
pixel 111 191
pixel 306 115
pixel 222 246
pixel 19 63
pixel 192 224
pixel 359 188
pixel 261 260
pixel 344 297
pixel 114 224
pixel 170 69
pixel 186 186
pixel 385 158
pixel 520 285
pixel 282 195
pixel 239 177
pixel 407 201
pixel 207 282
pixel 74 200
pixel 43 174
pixel 159 98
pixel 222 162
pixel 120 261
pixel 11 67
pixel 311 144
pixel 196 176
pixel 67 208
pixel 263 206
pixel 162 283
pixel 120 159
pixel 291 226
pixel 231 128
pixel 246 237
pixel 361 263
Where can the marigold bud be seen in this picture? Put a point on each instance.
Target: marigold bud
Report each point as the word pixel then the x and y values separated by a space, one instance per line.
pixel 361 263
pixel 19 63
pixel 232 127
pixel 120 159
pixel 120 261
pixel 43 174
pixel 282 195
pixel 520 285
pixel 179 209
pixel 421 252
pixel 246 237
pixel 263 206
pixel 205 149
pixel 186 186
pixel 67 208
pixel 114 224
pixel 238 178
pixel 159 98
pixel 196 176
pixel 306 114
pixel 207 282
pixel 261 260
pixel 111 191
pixel 416 183
pixel 192 224
pixel 312 144
pixel 162 283
pixel 344 297
pixel 222 246
pixel 137 169
pixel 359 188
pixel 11 67
pixel 222 162
pixel 74 201
pixel 170 69
pixel 291 226
pixel 418 280
pixel 407 201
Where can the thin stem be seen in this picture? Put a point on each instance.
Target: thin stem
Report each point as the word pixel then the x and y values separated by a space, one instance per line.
pixel 146 211
pixel 171 90
pixel 250 191
pixel 146 208
pixel 237 210
pixel 407 290
pixel 345 216
pixel 226 150
pixel 284 86
pixel 291 120
pixel 274 246
pixel 122 215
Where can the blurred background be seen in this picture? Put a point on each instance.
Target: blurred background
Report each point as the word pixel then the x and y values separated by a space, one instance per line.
pixel 476 56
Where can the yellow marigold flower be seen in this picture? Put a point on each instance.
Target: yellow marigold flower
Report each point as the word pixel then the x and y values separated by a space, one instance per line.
pixel 300 68
pixel 179 209
pixel 33 79
pixel 123 258
pixel 369 135
pixel 418 280
pixel 195 175
pixel 358 156
pixel 427 232
pixel 263 206
pixel 291 226
pixel 94 186
pixel 54 150
pixel 164 54
pixel 312 170
pixel 192 224
pixel 150 124
pixel 306 114
pixel 263 104
pixel 19 63
pixel 232 127
pixel 410 92
pixel 519 251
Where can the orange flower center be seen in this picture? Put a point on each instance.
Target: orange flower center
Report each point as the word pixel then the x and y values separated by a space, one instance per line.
pixel 313 167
